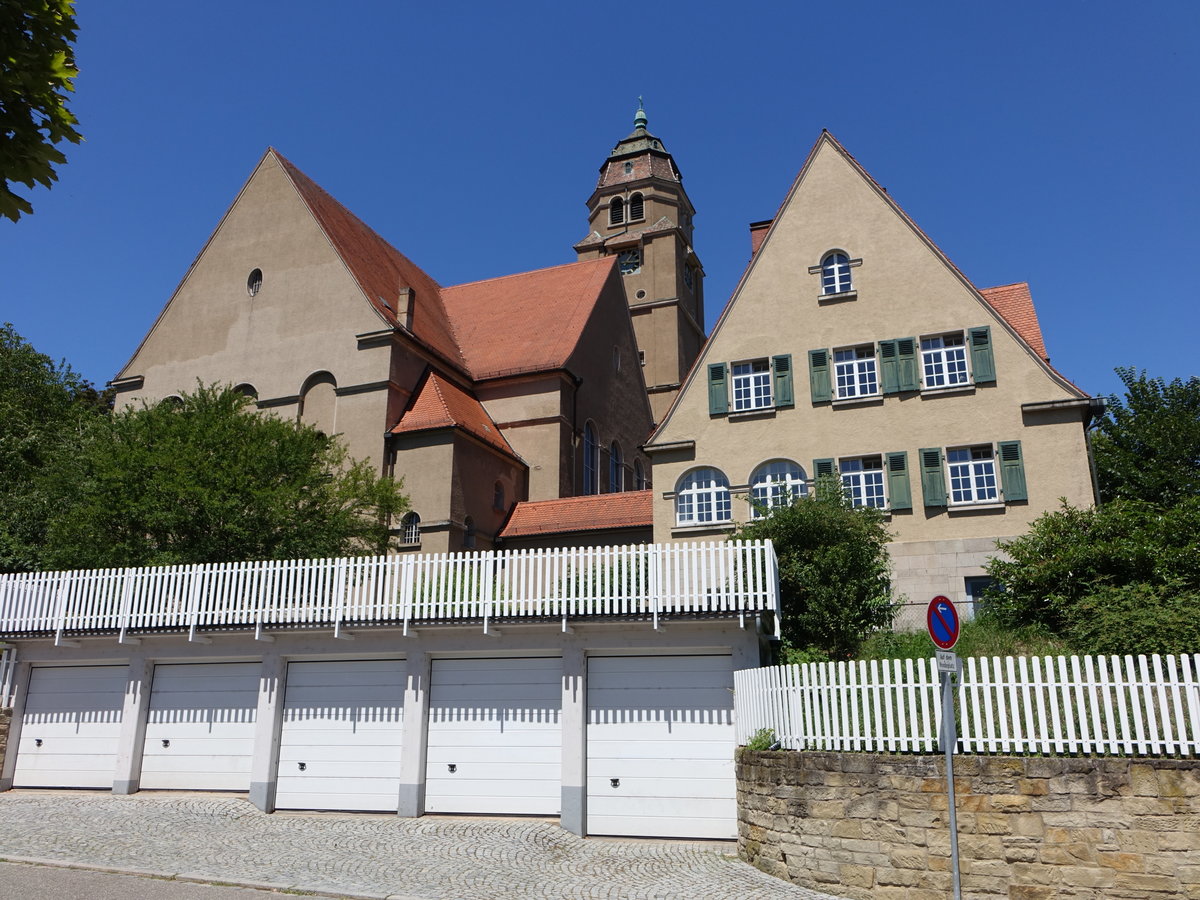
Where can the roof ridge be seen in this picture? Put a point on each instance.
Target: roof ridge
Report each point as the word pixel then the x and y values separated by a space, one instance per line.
pixel 578 262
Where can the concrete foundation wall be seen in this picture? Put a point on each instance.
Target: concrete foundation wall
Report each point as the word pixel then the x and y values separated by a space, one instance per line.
pixel 874 827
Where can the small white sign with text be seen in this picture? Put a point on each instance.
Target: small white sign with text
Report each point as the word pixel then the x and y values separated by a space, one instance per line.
pixel 947 661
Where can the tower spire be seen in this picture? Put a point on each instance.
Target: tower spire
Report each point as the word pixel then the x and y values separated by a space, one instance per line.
pixel 639 118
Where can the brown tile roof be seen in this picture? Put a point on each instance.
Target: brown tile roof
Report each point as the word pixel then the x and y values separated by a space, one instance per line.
pixel 438 403
pixel 531 322
pixel 631 509
pixel 378 267
pixel 1015 304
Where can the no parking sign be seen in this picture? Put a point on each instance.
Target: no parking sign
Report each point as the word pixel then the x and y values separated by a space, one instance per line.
pixel 943 622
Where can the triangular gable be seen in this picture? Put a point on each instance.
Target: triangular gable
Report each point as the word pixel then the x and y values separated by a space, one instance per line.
pixel 529 322
pixel 439 403
pixel 1037 353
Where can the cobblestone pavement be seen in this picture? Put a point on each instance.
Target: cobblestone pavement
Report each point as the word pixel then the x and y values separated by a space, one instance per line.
pixel 217 838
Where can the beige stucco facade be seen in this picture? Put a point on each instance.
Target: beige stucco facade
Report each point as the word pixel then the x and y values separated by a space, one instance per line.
pixel 903 287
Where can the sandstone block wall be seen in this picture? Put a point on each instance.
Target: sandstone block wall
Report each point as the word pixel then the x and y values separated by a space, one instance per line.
pixel 875 826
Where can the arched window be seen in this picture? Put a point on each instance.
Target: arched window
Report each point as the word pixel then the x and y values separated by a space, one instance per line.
pixel 247 390
pixel 775 483
pixel 410 528
pixel 498 496
pixel 637 208
pixel 318 403
pixel 835 273
pixel 591 460
pixel 639 476
pixel 616 211
pixel 702 498
pixel 616 469
pixel 468 533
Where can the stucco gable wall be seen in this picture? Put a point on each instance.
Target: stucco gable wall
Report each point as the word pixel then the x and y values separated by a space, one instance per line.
pixel 904 289
pixel 303 320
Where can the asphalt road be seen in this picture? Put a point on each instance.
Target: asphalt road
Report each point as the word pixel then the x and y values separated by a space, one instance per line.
pixel 21 881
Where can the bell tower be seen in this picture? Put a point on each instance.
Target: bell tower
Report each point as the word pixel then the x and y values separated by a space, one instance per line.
pixel 640 213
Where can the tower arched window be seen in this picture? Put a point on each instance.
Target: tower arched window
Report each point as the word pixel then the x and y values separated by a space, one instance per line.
pixel 835 273
pixel 776 483
pixel 410 527
pixel 637 208
pixel 616 211
pixel 591 460
pixel 702 498
pixel 616 469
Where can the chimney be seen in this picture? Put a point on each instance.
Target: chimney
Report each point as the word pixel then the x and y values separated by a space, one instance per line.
pixel 758 231
pixel 404 307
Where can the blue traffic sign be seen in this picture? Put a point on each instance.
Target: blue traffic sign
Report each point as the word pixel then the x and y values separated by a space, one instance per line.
pixel 943 622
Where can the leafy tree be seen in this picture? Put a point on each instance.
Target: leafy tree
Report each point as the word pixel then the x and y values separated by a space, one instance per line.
pixel 1098 576
pixel 834 571
pixel 36 69
pixel 204 480
pixel 1147 446
pixel 43 410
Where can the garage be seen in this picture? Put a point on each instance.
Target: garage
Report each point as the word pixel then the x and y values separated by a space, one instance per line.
pixel 70 727
pixel 343 724
pixel 495 736
pixel 660 745
pixel 200 728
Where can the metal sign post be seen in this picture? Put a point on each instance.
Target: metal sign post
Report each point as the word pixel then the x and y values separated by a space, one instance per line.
pixel 942 619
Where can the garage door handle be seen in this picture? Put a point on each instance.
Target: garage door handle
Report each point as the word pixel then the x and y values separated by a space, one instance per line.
pixel 302 766
pixel 37 742
pixel 615 782
pixel 166 743
pixel 452 767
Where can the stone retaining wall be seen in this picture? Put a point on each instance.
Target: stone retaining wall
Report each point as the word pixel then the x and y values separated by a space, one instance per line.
pixel 874 826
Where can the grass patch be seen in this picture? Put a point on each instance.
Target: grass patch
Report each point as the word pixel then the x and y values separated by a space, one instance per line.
pixel 979 638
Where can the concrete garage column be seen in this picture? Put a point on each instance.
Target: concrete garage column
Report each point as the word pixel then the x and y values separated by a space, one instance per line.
pixel 20 692
pixel 574 741
pixel 413 751
pixel 131 743
pixel 264 763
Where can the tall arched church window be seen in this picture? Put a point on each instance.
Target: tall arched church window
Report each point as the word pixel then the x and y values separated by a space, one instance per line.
pixel 616 469
pixel 639 475
pixel 637 208
pixel 591 460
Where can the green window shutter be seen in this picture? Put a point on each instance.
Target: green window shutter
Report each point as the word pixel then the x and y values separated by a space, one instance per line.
pixel 818 376
pixel 933 477
pixel 718 391
pixel 899 492
pixel 889 367
pixel 822 467
pixel 983 365
pixel 906 356
pixel 781 369
pixel 1012 471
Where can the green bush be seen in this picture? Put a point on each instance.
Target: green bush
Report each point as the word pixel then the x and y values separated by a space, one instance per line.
pixel 761 739
pixel 980 637
pixel 1137 618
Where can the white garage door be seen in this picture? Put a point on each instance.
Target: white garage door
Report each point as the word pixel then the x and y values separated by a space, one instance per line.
pixel 200 731
pixel 70 727
pixel 342 729
pixel 660 746
pixel 495 739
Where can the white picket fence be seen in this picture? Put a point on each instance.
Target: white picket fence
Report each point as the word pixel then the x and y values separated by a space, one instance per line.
pixel 646 580
pixel 1108 705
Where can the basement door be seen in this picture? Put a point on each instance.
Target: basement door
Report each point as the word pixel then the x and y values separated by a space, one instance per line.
pixel 200 730
pixel 342 730
pixel 71 725
pixel 495 736
pixel 660 745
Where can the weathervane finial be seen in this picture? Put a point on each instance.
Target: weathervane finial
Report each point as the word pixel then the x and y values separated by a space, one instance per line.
pixel 639 120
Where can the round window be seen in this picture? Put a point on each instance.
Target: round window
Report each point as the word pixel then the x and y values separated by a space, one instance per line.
pixel 254 282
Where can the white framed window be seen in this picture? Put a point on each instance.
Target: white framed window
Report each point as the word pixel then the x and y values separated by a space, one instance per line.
pixel 856 371
pixel 972 474
pixel 944 361
pixel 630 261
pixel 775 483
pixel 862 480
pixel 702 498
pixel 751 385
pixel 411 528
pixel 835 273
pixel 616 211
pixel 591 460
pixel 616 469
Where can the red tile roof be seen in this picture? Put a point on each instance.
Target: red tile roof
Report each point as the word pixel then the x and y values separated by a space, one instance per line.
pixel 631 509
pixel 1015 304
pixel 439 403
pixel 529 322
pixel 378 267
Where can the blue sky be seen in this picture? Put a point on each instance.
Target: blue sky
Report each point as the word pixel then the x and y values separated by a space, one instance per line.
pixel 1049 142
